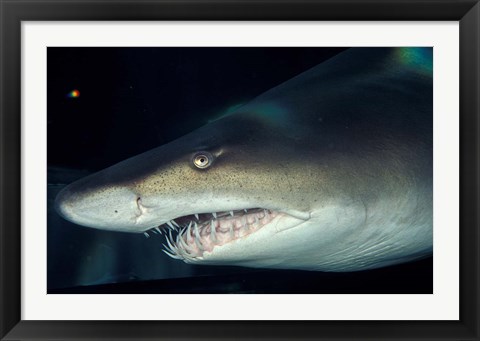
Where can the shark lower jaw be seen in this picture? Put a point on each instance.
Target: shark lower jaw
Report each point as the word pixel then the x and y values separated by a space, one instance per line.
pixel 191 237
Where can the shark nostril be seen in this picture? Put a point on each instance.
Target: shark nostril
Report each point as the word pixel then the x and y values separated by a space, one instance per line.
pixel 140 206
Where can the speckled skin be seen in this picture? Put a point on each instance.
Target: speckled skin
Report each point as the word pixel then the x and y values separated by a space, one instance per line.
pixel 345 146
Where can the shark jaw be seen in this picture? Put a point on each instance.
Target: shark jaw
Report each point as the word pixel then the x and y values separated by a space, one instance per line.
pixel 197 237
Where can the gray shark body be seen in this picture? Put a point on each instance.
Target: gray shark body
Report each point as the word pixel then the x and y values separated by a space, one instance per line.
pixel 330 171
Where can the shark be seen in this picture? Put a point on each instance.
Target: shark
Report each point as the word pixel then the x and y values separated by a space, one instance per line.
pixel 331 170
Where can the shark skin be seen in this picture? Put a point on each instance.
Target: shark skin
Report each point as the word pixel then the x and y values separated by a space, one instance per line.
pixel 329 171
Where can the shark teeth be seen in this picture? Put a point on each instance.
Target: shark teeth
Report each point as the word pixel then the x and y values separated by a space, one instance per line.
pixel 197 238
pixel 189 233
pixel 213 231
pixel 196 234
pixel 174 256
pixel 244 222
pixel 190 242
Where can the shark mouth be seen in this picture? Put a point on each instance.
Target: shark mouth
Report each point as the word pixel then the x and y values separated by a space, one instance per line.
pixel 195 234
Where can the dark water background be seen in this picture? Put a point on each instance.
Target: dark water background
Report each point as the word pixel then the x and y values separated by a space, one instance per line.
pixel 135 99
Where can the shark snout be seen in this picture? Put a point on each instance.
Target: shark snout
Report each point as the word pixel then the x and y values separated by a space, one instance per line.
pixel 109 208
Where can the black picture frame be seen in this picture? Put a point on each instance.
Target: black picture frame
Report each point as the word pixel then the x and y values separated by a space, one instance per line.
pixel 13 12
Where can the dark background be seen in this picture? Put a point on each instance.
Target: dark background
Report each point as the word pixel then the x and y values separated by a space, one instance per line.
pixel 134 99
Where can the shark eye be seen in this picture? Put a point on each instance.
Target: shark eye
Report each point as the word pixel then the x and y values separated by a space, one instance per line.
pixel 202 160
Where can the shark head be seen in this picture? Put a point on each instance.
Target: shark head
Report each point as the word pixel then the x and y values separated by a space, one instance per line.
pixel 297 178
pixel 204 173
pixel 214 188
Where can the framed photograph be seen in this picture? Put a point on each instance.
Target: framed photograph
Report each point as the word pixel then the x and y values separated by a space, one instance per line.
pixel 239 170
pixel 145 81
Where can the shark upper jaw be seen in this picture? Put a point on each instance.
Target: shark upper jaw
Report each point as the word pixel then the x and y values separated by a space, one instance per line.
pixel 118 208
pixel 195 237
pixel 191 237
